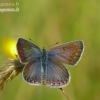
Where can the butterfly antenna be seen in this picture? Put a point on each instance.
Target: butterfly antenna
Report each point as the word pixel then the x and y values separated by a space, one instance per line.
pixel 64 93
pixel 33 41
pixel 53 44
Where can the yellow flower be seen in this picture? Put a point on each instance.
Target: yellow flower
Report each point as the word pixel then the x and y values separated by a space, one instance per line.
pixel 9 47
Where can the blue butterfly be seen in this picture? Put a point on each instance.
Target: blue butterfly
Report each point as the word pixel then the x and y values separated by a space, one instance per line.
pixel 47 67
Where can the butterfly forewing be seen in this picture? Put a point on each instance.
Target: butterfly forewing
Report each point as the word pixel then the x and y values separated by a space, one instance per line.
pixel 68 53
pixel 27 50
pixel 32 72
pixel 57 75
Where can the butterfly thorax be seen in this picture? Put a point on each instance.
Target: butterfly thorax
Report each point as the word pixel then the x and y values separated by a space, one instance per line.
pixel 44 55
pixel 44 58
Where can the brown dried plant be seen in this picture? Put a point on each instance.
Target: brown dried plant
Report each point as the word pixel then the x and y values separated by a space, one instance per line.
pixel 11 70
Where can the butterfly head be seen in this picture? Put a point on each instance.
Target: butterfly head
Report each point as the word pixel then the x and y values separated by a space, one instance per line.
pixel 44 50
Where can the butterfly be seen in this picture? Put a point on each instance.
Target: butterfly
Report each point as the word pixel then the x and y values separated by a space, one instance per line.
pixel 47 67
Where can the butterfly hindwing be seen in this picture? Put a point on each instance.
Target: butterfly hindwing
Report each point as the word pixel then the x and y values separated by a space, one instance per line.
pixel 57 75
pixel 27 50
pixel 68 53
pixel 32 72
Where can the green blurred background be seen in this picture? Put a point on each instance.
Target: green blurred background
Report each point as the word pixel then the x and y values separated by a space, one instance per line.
pixel 47 22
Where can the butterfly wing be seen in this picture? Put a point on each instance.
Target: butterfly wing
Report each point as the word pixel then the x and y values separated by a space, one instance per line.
pixel 27 50
pixel 57 75
pixel 68 53
pixel 31 53
pixel 32 72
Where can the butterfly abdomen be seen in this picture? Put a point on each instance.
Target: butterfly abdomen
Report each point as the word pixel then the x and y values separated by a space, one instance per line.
pixel 44 57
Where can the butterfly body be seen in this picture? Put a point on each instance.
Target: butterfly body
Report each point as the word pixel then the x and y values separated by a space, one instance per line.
pixel 46 67
pixel 44 64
